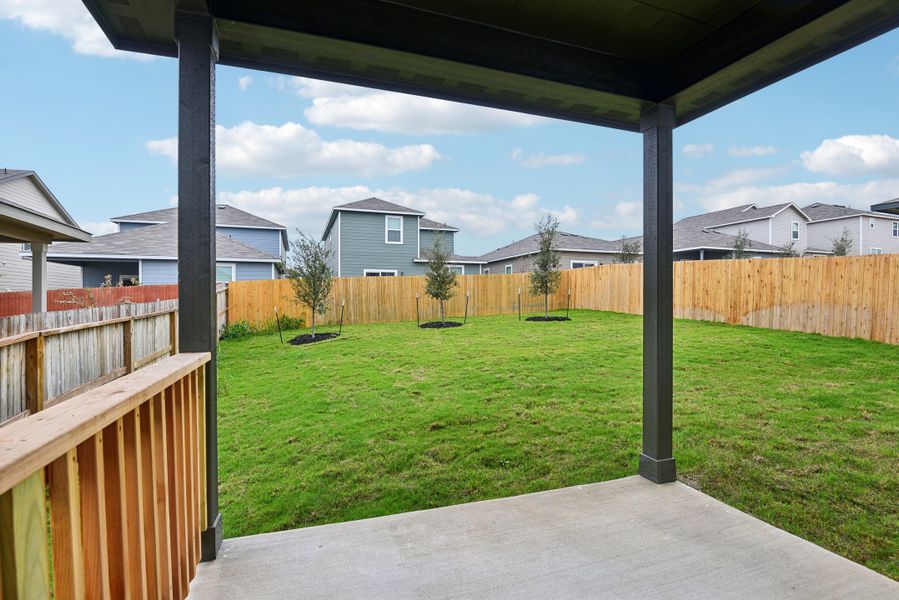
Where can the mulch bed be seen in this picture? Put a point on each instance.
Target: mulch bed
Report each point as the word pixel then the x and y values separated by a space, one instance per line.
pixel 440 324
pixel 547 319
pixel 307 338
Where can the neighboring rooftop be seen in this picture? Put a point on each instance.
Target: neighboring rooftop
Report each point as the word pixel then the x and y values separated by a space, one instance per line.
pixel 378 205
pixel 225 216
pixel 565 241
pixel 890 206
pixel 737 214
pixel 7 174
pixel 429 224
pixel 155 241
pixel 821 212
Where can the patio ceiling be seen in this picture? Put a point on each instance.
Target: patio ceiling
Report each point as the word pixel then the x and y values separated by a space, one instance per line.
pixel 594 61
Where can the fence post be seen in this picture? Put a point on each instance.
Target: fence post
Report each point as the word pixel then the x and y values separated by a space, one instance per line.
pixel 34 374
pixel 173 331
pixel 127 345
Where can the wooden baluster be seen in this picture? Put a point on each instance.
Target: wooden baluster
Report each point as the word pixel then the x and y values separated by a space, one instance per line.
pixel 176 487
pixel 23 545
pixel 173 331
pixel 134 504
pixel 201 404
pixel 34 374
pixel 181 391
pixel 117 534
pixel 65 527
pixel 198 467
pixel 148 493
pixel 93 517
pixel 190 441
pixel 158 450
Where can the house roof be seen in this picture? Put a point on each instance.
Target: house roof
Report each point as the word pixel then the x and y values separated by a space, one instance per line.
pixel 429 224
pixel 20 222
pixel 153 241
pixel 565 241
pixel 737 214
pixel 890 206
pixel 596 61
pixel 824 212
pixel 225 216
pixel 378 205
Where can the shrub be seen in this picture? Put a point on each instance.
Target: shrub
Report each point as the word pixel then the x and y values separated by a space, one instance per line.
pixel 236 331
pixel 288 322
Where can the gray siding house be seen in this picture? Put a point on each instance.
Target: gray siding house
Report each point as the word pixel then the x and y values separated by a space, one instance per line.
pixel 376 238
pixel 145 249
pixel 872 232
pixel 576 251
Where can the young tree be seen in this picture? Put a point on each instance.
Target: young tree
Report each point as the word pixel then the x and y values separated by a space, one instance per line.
pixel 309 274
pixel 843 244
pixel 787 250
pixel 742 243
pixel 440 280
pixel 629 252
pixel 546 274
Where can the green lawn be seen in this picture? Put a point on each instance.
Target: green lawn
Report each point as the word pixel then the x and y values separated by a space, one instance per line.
pixel 800 430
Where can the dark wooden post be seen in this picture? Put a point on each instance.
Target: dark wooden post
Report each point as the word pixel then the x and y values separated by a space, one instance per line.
pixel 657 125
pixel 197 54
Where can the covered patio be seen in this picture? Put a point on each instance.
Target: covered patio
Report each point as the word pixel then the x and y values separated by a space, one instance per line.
pixel 632 65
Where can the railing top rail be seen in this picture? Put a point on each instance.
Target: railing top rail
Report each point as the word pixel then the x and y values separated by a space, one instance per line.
pixel 24 337
pixel 37 440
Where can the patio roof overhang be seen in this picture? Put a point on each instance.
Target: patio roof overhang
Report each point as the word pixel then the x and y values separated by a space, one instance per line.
pixel 629 64
pixel 601 62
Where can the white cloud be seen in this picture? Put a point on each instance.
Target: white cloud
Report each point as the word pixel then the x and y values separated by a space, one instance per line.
pixel 340 105
pixel 858 195
pixel 244 82
pixel 291 150
pixel 854 155
pixel 626 216
pixel 739 177
pixel 473 212
pixel 744 151
pixel 698 150
pixel 69 19
pixel 540 160
pixel 98 227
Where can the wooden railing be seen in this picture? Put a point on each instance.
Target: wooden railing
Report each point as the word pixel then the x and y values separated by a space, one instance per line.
pixel 42 368
pixel 122 468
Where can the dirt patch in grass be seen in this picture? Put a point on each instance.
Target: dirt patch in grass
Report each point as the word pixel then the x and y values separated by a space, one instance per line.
pixel 440 324
pixel 547 319
pixel 307 338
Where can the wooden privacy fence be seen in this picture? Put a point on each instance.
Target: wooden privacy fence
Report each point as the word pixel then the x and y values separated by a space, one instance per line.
pixel 17 303
pixel 43 367
pixel 123 469
pixel 837 296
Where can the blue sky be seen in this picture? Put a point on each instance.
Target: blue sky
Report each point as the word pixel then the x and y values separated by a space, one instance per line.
pixel 99 127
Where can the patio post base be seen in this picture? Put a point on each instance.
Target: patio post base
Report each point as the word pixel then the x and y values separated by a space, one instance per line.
pixel 657 471
pixel 211 540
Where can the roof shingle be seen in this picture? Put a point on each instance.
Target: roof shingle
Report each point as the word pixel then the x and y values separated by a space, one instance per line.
pixel 225 216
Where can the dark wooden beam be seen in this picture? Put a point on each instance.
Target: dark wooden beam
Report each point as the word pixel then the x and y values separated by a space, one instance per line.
pixel 657 460
pixel 197 53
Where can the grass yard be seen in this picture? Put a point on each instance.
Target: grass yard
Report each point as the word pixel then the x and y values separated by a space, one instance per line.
pixel 799 430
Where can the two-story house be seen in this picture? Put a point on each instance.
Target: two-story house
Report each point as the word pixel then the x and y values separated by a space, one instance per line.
pixel 871 231
pixel 145 249
pixel 376 238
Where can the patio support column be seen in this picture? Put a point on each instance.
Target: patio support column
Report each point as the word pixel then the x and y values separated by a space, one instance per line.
pixel 197 54
pixel 38 277
pixel 657 125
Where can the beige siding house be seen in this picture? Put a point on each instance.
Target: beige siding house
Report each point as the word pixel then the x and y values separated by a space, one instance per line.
pixel 23 192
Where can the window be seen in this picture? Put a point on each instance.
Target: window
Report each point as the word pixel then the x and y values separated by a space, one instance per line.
pixel 487 271
pixel 224 272
pixel 26 247
pixel 393 230
pixel 580 264
pixel 508 269
pixel 875 251
pixel 457 269
pixel 378 273
pixel 895 228
pixel 871 223
pixel 794 230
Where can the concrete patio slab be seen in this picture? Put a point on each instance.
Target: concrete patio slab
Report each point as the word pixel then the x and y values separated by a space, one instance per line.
pixel 627 538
